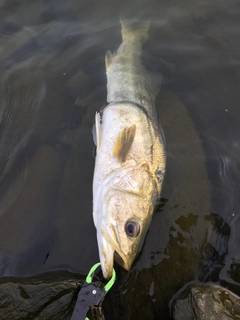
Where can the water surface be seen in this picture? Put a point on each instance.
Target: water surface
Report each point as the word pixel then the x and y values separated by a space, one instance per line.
pixel 52 83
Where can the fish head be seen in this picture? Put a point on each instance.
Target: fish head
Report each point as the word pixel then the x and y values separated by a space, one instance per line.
pixel 124 216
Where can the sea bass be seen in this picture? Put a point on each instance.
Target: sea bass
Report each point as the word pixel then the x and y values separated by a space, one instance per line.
pixel 130 154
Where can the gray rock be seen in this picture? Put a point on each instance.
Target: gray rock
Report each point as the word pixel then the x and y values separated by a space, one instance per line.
pixel 47 296
pixel 206 302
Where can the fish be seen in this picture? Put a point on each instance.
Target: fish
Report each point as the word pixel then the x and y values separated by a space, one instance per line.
pixel 130 152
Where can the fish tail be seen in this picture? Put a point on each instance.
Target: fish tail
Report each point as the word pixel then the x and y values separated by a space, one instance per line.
pixel 134 31
pixel 134 34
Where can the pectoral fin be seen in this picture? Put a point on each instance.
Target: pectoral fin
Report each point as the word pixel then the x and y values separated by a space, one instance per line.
pixel 98 130
pixel 109 58
pixel 123 143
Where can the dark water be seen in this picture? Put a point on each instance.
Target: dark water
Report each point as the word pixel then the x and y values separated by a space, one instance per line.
pixel 52 83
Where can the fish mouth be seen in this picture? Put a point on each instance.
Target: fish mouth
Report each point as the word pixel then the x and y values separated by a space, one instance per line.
pixel 109 250
pixel 106 255
pixel 123 263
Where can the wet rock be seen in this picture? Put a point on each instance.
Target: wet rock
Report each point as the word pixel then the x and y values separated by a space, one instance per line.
pixel 47 296
pixel 211 302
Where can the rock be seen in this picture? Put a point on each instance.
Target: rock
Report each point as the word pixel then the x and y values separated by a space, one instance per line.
pixel 211 302
pixel 47 296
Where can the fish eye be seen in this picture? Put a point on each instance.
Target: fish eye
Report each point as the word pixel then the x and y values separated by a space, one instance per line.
pixel 132 228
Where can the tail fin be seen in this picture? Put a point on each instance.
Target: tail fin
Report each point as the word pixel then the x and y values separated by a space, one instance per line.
pixel 134 34
pixel 134 30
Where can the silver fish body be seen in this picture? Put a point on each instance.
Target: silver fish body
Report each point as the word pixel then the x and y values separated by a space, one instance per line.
pixel 130 158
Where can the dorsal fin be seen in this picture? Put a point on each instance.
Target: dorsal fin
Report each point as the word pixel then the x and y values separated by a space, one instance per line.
pixel 123 143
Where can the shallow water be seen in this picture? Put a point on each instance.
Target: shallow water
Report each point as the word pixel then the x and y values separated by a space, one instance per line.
pixel 52 82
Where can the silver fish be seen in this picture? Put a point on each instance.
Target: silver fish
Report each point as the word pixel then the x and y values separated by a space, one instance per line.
pixel 130 157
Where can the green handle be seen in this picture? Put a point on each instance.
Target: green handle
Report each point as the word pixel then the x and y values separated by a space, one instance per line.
pixel 110 283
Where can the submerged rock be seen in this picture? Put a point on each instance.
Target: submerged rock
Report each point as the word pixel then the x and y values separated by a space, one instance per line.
pixel 211 302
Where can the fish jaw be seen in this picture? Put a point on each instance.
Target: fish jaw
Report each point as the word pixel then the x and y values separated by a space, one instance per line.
pixel 106 255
